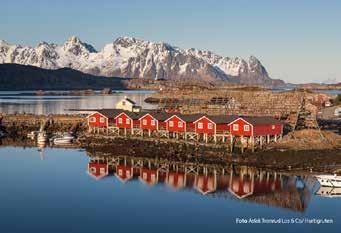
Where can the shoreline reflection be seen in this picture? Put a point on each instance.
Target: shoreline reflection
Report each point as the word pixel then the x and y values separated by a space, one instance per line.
pixel 236 182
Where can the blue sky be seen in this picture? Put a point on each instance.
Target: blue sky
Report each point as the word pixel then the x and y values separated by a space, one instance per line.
pixel 298 41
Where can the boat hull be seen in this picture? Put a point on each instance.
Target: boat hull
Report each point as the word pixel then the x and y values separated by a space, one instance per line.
pixel 329 181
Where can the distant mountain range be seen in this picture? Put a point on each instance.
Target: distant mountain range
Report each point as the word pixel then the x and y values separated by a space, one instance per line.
pixel 134 58
pixel 24 77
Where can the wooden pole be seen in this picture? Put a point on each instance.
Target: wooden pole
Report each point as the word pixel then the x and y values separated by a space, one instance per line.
pixel 242 143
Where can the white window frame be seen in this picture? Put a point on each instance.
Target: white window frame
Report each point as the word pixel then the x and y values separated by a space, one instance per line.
pixel 246 128
pixel 171 124
pixel 128 121
pixel 92 119
pixel 152 122
pixel 101 119
pixel 200 125
pixel 235 127
pixel 210 125
pixel 120 121
pixel 180 124
pixel 144 122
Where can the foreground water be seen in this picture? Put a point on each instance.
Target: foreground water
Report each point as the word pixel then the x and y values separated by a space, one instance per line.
pixel 52 191
pixel 29 102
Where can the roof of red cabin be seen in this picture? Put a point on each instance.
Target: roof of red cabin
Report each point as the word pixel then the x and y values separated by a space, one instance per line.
pixel 261 120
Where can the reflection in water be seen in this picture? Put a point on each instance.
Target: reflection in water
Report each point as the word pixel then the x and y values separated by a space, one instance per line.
pixel 329 191
pixel 11 102
pixel 239 182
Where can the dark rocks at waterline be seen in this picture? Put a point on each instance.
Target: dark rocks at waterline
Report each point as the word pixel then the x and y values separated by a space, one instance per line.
pixel 155 149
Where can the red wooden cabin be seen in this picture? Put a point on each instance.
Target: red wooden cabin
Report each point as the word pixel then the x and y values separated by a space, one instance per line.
pixel 176 180
pixel 102 118
pixel 175 124
pixel 256 126
pixel 124 120
pixel 149 176
pixel 97 119
pixel 205 125
pixel 98 170
pixel 205 184
pixel 148 121
pixel 124 173
pixel 241 187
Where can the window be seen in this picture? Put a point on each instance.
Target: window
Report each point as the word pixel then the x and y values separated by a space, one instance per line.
pixel 171 123
pixel 120 120
pixel 152 122
pixel 144 122
pixel 273 126
pixel 102 170
pixel 210 126
pixel 92 119
pixel 127 121
pixel 180 124
pixel 200 125
pixel 93 170
pixel 235 127
pixel 102 119
pixel 246 128
pixel 123 103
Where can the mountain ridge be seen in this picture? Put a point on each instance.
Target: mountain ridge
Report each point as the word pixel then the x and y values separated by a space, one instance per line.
pixel 135 58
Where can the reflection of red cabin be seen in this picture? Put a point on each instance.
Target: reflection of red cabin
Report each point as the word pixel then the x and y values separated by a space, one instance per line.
pixel 176 180
pixel 175 124
pixel 241 187
pixel 267 186
pixel 123 120
pixel 149 176
pixel 149 122
pixel 98 170
pixel 205 125
pixel 97 119
pixel 124 173
pixel 256 126
pixel 205 184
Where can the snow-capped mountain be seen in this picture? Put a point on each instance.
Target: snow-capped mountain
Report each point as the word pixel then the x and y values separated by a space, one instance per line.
pixel 134 58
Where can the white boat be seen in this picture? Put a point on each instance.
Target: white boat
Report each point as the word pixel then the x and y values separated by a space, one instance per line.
pixel 329 180
pixel 63 139
pixel 328 192
pixel 42 137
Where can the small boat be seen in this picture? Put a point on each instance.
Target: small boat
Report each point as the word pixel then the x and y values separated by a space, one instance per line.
pixel 328 192
pixel 42 137
pixel 63 139
pixel 329 180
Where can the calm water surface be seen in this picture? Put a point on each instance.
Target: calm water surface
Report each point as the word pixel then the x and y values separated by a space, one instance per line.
pixel 27 101
pixel 53 192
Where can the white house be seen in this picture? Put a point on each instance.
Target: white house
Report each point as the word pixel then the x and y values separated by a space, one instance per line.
pixel 128 105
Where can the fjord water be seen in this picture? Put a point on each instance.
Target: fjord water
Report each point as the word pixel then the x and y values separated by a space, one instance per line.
pixel 50 191
pixel 29 102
